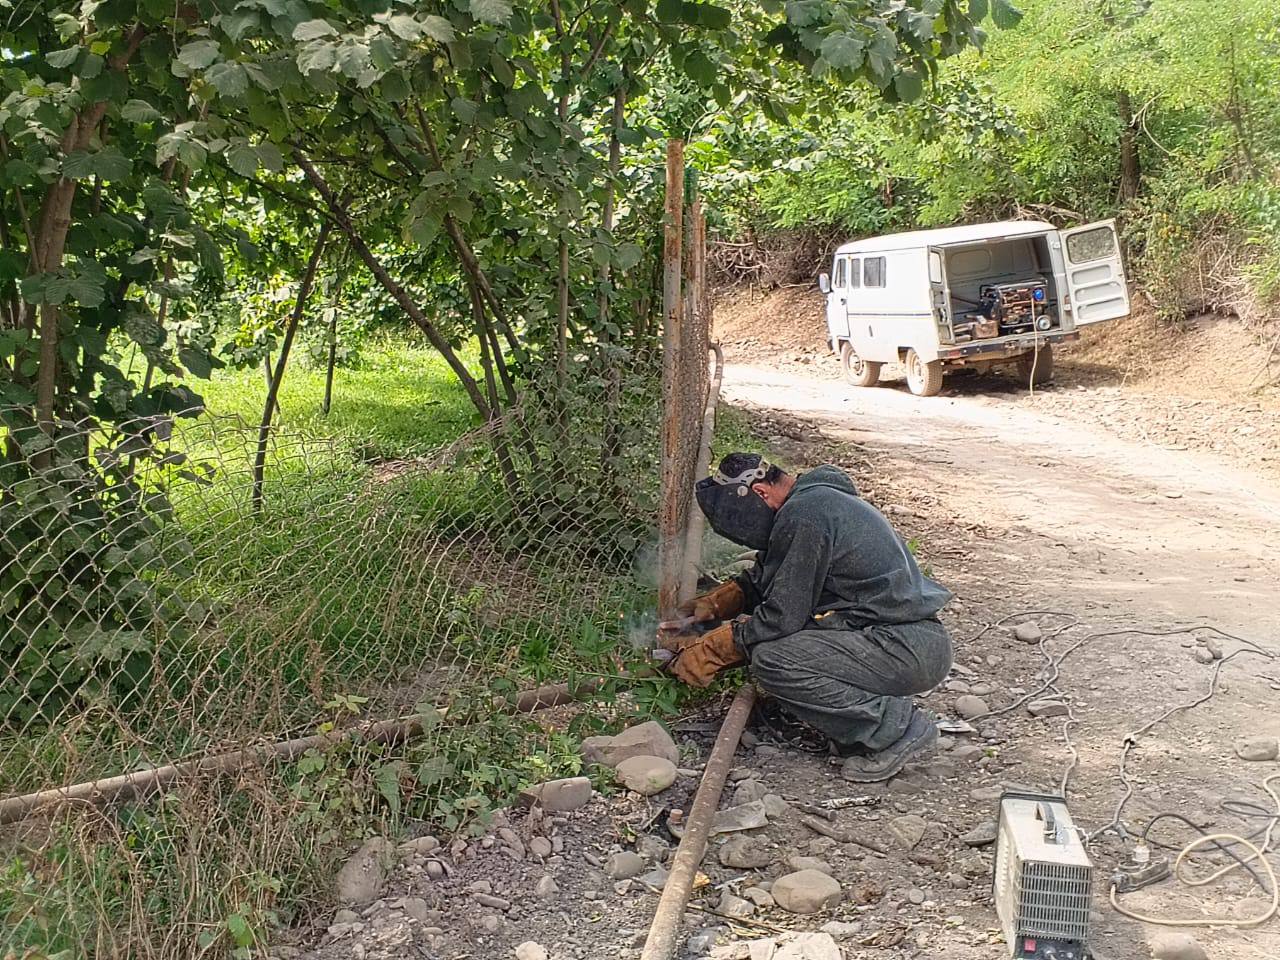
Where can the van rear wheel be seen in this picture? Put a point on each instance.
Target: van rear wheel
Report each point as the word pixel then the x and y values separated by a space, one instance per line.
pixel 862 373
pixel 923 377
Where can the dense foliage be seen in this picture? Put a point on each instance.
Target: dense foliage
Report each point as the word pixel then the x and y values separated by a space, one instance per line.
pixel 1166 114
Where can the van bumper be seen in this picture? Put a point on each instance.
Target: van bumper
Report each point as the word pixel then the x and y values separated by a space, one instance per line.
pixel 1004 348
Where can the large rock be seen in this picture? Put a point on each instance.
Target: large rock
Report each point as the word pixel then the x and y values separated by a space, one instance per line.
pixel 363 877
pixel 646 775
pixel 1176 946
pixel 644 740
pixel 1257 748
pixel 806 891
pixel 970 706
pixel 559 796
pixel 531 950
pixel 745 853
pixel 796 863
pixel 736 907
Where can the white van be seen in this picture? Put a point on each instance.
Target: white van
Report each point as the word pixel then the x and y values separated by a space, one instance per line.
pixel 976 296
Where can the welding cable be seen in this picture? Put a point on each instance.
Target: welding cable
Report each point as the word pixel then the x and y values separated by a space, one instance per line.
pixel 1223 841
pixel 1131 739
pixel 1259 855
pixel 1203 832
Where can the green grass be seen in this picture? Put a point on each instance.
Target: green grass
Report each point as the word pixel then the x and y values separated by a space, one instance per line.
pixel 400 399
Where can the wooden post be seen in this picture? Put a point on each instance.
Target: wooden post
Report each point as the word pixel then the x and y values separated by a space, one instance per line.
pixel 670 525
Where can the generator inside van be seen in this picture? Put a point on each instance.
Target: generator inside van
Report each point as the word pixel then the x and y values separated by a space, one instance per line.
pixel 981 296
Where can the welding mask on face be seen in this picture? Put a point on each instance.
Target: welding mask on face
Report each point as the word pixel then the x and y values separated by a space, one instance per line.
pixel 734 510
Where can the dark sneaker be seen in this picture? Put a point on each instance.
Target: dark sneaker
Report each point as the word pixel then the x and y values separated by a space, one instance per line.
pixel 920 737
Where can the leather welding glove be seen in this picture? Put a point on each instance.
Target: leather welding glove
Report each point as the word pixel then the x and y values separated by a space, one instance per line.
pixel 723 603
pixel 701 658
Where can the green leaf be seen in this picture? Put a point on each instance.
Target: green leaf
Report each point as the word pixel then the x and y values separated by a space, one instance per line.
pixel 317 57
pixel 198 55
pixel 242 157
pixel 406 27
pixel 465 110
pixel 270 157
pixel 496 12
pixel 670 11
pixel 699 68
pixel 978 10
pixel 197 361
pixel 629 255
pixel 61 59
pixel 1004 14
pixel 139 111
pixel 439 29
pixel 314 30
pixel 241 932
pixel 843 51
pixel 909 86
pixel 229 79
pixel 708 15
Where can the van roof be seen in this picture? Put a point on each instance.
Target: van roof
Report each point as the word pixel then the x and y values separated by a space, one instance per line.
pixel 949 236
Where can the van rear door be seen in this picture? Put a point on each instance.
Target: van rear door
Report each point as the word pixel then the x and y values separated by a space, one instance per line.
pixel 1095 273
pixel 939 294
pixel 838 302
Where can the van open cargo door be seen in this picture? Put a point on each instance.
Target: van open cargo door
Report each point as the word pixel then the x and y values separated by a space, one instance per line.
pixel 1095 273
pixel 940 294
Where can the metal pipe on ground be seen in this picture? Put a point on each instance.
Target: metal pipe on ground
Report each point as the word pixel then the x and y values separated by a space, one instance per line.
pixel 665 929
pixel 144 783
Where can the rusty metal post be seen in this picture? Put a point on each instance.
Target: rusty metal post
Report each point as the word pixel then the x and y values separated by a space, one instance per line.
pixel 674 496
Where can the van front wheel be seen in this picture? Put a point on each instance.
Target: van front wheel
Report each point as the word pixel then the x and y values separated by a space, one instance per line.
pixel 923 377
pixel 862 373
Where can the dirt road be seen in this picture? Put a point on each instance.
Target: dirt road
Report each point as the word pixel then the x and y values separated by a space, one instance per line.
pixel 1020 512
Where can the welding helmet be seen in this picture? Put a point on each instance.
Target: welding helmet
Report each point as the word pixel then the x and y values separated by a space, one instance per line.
pixel 734 510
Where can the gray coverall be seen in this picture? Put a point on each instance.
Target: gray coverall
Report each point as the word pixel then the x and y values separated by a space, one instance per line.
pixel 850 673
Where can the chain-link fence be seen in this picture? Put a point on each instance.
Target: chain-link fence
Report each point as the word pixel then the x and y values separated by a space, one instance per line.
pixel 155 615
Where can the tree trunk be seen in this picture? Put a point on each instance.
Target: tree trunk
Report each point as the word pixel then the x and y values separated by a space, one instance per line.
pixel 398 293
pixel 273 384
pixel 1130 164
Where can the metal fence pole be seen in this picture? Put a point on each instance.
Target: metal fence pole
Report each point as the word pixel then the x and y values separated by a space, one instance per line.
pixel 670 520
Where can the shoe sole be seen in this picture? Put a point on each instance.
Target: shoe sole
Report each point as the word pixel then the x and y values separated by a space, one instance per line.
pixel 925 742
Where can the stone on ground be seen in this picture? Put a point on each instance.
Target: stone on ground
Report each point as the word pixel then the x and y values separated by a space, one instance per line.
pixel 745 853
pixel 748 791
pixel 788 946
pixel 656 878
pixel 419 847
pixel 1202 655
pixel 540 847
pixel 908 830
pixel 646 775
pixel 806 891
pixel 1257 748
pixel 748 816
pixel 736 907
pixel 623 866
pixel 795 863
pixel 418 909
pixel 363 877
pixel 648 739
pixel 970 706
pixel 546 888
pixel 559 796
pixel 761 897
pixel 1028 632
pixel 1176 946
pixel 982 835
pixel 531 950
pixel 1048 708
pixel 841 930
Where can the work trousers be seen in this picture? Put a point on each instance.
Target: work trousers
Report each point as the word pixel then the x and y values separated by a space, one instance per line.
pixel 854 685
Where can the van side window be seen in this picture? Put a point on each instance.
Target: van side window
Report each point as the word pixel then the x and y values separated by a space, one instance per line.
pixel 855 274
pixel 873 272
pixel 838 282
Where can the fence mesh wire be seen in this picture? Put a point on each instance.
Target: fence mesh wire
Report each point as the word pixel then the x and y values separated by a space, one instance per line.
pixel 151 613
